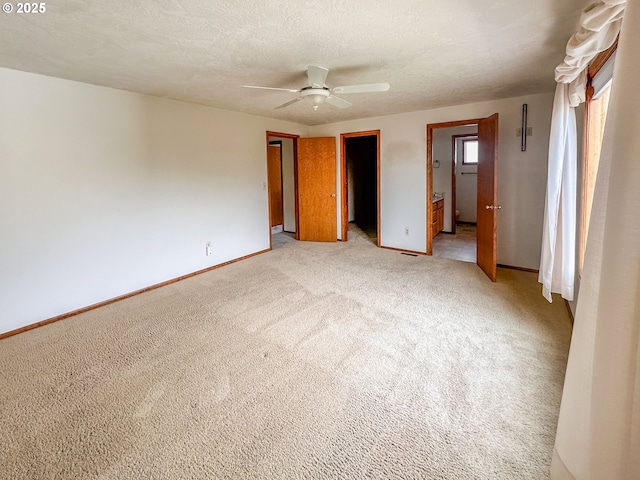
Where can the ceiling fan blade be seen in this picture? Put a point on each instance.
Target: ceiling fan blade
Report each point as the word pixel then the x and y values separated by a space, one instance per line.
pixel 370 87
pixel 290 102
pixel 337 102
pixel 317 76
pixel 272 88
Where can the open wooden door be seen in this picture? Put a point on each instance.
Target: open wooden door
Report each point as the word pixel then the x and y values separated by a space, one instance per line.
pixel 487 195
pixel 274 175
pixel 317 208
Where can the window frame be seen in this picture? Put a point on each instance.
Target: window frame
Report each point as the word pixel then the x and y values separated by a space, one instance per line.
pixel 463 144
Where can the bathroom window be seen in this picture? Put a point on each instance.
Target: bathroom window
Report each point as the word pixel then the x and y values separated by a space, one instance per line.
pixel 470 151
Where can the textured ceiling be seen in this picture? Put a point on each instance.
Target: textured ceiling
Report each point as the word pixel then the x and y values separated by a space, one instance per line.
pixel 433 53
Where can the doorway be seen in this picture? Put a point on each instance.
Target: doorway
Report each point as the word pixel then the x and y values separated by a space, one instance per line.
pixel 308 177
pixel 477 170
pixel 360 167
pixel 276 197
pixel 282 186
pixel 455 164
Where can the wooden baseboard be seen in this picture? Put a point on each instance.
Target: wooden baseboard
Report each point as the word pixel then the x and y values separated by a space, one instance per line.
pixel 522 269
pixel 403 250
pixel 123 297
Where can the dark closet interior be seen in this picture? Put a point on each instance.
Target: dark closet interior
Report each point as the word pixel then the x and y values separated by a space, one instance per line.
pixel 361 155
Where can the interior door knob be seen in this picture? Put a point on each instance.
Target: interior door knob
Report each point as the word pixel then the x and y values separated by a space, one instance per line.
pixel 333 195
pixel 493 207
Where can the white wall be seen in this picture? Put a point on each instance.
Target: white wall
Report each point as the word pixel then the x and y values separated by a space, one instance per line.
pixel 466 190
pixel 521 175
pixel 103 192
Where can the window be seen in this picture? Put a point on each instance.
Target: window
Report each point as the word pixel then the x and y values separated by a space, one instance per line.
pixel 470 151
pixel 600 73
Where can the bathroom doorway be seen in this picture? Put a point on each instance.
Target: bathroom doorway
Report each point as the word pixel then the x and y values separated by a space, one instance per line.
pixel 462 155
pixel 360 165
pixel 455 168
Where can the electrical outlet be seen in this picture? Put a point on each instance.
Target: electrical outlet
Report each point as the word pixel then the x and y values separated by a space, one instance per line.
pixel 406 231
pixel 208 248
pixel 529 132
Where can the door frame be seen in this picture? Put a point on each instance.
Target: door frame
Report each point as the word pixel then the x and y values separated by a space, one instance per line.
pixel 295 180
pixel 344 188
pixel 429 200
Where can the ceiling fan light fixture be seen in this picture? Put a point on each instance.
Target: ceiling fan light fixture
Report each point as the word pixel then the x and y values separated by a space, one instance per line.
pixel 315 96
pixel 316 99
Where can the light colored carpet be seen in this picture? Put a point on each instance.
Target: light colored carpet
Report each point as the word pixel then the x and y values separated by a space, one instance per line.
pixel 313 361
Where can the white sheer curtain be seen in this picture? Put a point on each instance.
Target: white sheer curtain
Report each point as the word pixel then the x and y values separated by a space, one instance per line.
pixel 600 24
pixel 599 425
pixel 557 263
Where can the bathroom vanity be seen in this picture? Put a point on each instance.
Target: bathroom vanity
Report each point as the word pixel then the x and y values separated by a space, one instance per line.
pixel 438 215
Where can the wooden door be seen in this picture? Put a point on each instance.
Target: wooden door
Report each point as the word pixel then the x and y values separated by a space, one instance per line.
pixel 274 174
pixel 487 195
pixel 317 208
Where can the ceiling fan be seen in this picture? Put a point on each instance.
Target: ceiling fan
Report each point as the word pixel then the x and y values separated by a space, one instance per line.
pixel 316 92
